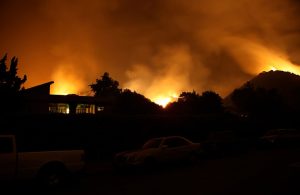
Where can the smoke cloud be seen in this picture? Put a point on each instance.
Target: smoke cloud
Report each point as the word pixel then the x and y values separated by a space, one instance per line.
pixel 158 48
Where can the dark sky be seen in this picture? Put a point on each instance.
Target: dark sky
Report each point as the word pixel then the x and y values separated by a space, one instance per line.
pixel 157 47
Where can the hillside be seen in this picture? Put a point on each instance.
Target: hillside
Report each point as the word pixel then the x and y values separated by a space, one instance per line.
pixel 285 83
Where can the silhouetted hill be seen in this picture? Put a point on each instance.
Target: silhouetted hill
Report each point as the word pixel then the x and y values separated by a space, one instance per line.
pixel 286 84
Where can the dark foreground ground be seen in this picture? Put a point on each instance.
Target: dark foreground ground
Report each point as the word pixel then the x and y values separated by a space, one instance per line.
pixel 255 172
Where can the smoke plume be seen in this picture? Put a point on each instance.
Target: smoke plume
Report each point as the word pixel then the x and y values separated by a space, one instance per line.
pixel 158 48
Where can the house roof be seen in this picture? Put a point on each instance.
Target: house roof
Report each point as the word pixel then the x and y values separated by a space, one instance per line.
pixel 41 85
pixel 39 90
pixel 42 93
pixel 77 99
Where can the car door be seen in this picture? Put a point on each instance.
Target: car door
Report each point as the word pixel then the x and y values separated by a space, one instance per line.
pixel 7 158
pixel 176 148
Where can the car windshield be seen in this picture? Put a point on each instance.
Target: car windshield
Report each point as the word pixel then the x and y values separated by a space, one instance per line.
pixel 154 143
pixel 281 132
pixel 176 142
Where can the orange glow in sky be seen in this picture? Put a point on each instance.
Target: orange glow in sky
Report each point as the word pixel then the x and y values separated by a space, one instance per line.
pixel 67 82
pixel 273 61
pixel 164 100
pixel 165 88
pixel 64 88
pixel 154 47
pixel 262 58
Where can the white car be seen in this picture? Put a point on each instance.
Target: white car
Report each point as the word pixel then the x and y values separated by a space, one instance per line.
pixel 159 150
pixel 50 168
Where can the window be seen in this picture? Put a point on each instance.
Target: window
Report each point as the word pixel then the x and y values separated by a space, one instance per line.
pixel 100 108
pixel 154 143
pixel 175 142
pixel 6 145
pixel 85 109
pixel 59 108
pixel 65 108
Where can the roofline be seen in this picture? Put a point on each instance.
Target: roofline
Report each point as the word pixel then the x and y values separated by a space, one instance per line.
pixel 41 85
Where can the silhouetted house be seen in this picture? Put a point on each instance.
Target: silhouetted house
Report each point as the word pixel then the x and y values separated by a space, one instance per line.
pixel 38 100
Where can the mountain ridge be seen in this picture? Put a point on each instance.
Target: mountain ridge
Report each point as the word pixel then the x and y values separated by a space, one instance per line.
pixel 287 85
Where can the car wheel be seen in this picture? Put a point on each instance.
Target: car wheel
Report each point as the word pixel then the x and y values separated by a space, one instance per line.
pixel 150 163
pixel 52 176
pixel 193 158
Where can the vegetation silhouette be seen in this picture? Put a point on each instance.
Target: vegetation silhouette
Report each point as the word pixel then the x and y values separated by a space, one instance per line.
pixel 193 103
pixel 105 86
pixel 10 82
pixel 10 85
pixel 124 101
pixel 257 101
pixel 131 102
pixel 273 86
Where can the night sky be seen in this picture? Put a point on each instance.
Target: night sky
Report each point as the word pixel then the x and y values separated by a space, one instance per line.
pixel 158 48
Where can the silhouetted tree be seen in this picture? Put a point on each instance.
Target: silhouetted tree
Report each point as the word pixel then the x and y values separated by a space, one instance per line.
pixel 106 86
pixel 131 102
pixel 122 101
pixel 257 101
pixel 186 103
pixel 193 103
pixel 189 97
pixel 211 102
pixel 10 82
pixel 243 98
pixel 10 86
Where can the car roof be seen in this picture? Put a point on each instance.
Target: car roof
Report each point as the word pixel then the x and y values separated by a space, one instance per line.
pixel 168 137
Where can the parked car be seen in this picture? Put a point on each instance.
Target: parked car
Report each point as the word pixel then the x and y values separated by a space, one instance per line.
pixel 294 173
pixel 158 151
pixel 281 137
pixel 50 168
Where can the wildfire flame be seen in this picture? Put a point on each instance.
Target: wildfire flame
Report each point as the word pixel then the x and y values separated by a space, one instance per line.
pixel 64 88
pixel 170 77
pixel 66 82
pixel 279 63
pixel 261 58
pixel 165 89
pixel 164 100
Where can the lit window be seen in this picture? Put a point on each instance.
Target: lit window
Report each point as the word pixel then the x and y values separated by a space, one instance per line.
pixel 100 108
pixel 59 108
pixel 85 109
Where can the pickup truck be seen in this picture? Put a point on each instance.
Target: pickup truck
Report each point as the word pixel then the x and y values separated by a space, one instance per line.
pixel 50 168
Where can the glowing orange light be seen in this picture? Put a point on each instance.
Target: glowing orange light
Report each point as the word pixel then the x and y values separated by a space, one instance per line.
pixel 67 82
pixel 279 63
pixel 64 88
pixel 164 100
pixel 273 68
pixel 262 58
